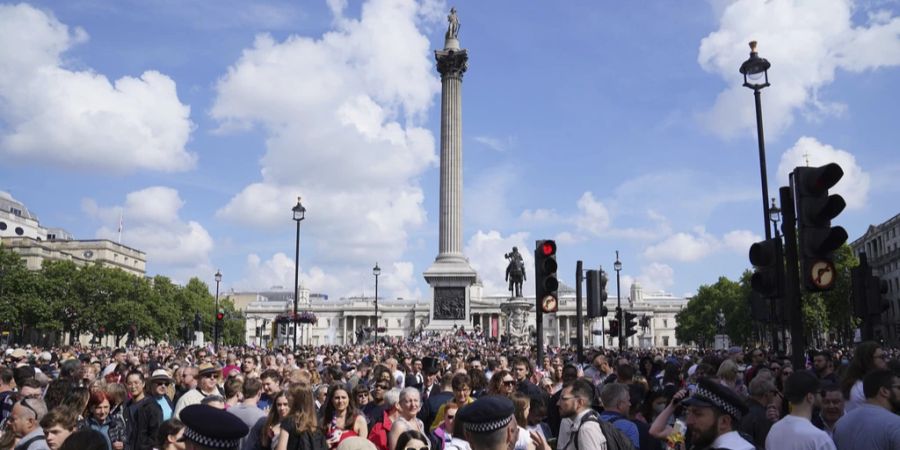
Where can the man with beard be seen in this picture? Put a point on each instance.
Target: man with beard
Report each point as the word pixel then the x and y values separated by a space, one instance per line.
pixel 574 406
pixel 823 364
pixel 795 431
pixel 489 423
pixel 713 415
pixel 873 424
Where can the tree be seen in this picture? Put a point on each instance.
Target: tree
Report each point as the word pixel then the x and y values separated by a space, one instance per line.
pixel 697 321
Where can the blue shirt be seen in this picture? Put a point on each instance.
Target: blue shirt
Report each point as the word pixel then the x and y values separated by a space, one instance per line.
pixel 868 427
pixel 624 425
pixel 166 409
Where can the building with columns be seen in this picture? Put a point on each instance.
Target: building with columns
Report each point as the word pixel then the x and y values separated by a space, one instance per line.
pixel 344 321
pixel 881 245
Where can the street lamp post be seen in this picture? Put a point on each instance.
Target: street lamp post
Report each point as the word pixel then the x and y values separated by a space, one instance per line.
pixel 618 266
pixel 376 271
pixel 756 77
pixel 299 215
pixel 775 217
pixel 216 313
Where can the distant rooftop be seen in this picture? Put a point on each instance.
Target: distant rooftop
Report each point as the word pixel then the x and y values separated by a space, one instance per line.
pixel 15 207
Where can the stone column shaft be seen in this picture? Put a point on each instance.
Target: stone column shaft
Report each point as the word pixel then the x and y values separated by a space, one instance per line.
pixel 451 65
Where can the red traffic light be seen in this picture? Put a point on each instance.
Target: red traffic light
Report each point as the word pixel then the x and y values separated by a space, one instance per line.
pixel 220 316
pixel 548 248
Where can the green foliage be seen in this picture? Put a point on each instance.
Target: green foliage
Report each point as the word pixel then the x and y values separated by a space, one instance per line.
pixel 62 297
pixel 697 321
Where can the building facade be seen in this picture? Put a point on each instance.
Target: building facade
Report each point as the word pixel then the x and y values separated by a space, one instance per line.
pixel 22 233
pixel 881 244
pixel 350 320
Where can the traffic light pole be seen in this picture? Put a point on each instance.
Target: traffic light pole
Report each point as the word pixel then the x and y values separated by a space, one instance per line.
pixel 539 312
pixel 775 319
pixel 579 322
pixel 794 306
pixel 620 311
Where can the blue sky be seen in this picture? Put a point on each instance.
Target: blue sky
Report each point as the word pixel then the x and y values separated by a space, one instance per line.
pixel 608 126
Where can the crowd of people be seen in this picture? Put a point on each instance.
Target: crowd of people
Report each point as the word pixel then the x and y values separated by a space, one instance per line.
pixel 451 391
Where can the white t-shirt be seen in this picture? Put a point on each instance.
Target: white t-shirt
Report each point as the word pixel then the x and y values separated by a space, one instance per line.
pixel 797 433
pixel 857 397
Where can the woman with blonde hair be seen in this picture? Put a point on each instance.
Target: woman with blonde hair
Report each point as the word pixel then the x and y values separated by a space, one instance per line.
pixel 300 428
pixel 728 376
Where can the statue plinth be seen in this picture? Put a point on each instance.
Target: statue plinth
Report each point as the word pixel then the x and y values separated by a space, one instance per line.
pixel 517 312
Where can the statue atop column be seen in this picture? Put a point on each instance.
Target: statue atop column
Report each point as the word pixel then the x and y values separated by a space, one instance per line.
pixel 453 27
pixel 515 272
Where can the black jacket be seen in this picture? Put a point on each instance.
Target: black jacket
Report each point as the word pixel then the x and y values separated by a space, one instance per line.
pixel 144 419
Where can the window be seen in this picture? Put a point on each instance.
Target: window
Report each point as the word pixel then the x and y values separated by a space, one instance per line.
pixel 666 324
pixel 15 211
pixel 2 226
pixel 51 236
pixel 20 231
pixel 665 341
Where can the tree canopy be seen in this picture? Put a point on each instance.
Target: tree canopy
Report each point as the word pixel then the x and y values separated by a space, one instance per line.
pixel 96 300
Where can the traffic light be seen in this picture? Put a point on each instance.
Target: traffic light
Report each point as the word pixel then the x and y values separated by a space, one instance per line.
pixel 764 255
pixel 630 324
pixel 614 328
pixel 594 304
pixel 876 304
pixel 868 297
pixel 603 294
pixel 220 315
pixel 546 283
pixel 815 210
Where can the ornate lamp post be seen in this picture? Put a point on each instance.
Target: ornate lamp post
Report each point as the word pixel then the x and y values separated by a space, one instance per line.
pixel 376 271
pixel 216 313
pixel 756 77
pixel 775 217
pixel 299 215
pixel 618 266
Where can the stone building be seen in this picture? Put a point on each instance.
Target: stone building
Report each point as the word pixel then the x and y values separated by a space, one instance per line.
pixel 349 320
pixel 22 232
pixel 881 244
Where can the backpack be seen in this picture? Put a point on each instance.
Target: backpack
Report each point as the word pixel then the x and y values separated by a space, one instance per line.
pixel 615 438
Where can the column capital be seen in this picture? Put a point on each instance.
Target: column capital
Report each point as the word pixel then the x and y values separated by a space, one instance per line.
pixel 452 63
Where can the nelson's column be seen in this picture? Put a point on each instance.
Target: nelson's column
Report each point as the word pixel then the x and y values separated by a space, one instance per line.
pixel 451 276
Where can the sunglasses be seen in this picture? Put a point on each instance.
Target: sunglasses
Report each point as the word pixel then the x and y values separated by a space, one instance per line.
pixel 413 448
pixel 451 416
pixel 509 382
pixel 161 383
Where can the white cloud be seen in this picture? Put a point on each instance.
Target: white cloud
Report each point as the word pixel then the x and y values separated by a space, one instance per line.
pixel 593 217
pixel 497 144
pixel 853 186
pixel 80 119
pixel 657 277
pixel 739 240
pixel 485 251
pixel 540 216
pixel 683 246
pixel 694 246
pixel 395 281
pixel 344 117
pixel 806 41
pixel 153 225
